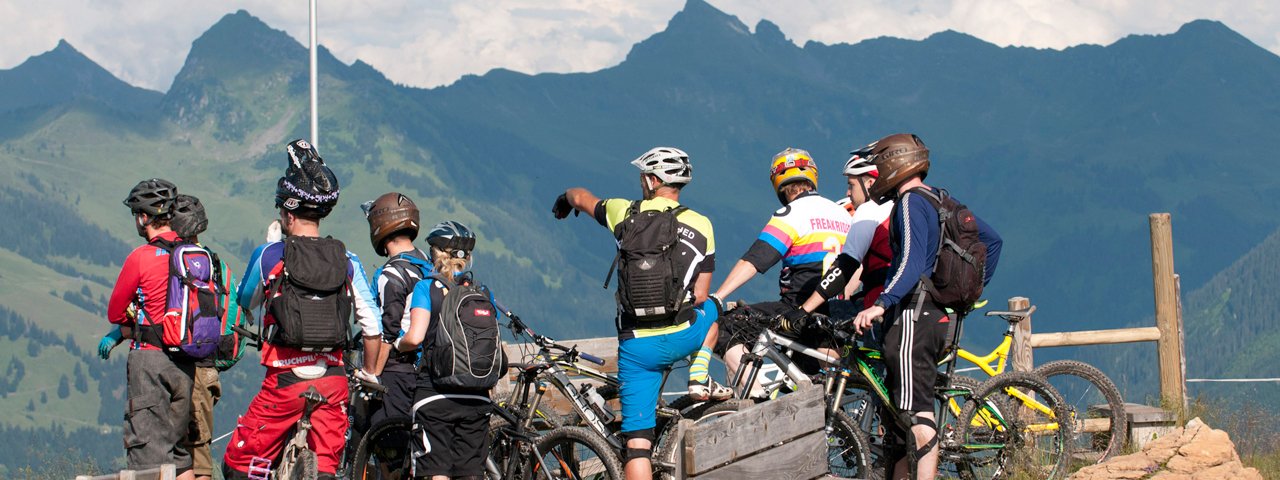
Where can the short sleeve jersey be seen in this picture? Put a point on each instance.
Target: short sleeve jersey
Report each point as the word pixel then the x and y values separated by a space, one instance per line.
pixel 868 242
pixel 252 294
pixel 806 235
pixel 696 250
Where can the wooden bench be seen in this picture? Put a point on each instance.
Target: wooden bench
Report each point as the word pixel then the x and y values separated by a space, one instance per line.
pixel 779 439
pixel 1146 423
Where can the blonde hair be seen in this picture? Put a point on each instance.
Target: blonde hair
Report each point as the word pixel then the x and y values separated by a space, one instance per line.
pixel 446 263
pixel 792 189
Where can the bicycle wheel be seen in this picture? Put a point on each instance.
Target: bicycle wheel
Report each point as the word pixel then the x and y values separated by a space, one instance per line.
pixel 1084 388
pixel 847 451
pixel 573 453
pixel 384 451
pixel 1013 426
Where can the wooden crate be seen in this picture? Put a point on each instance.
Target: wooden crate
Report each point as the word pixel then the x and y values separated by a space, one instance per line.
pixel 780 439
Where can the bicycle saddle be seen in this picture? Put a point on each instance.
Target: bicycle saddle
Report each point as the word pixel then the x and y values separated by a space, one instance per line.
pixel 1013 316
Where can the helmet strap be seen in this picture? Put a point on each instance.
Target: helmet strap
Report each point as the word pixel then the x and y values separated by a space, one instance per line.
pixel 862 184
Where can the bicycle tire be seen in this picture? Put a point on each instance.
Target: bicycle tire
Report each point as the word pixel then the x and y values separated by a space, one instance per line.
pixel 1096 387
pixel 997 430
pixel 847 452
pixel 379 447
pixel 564 451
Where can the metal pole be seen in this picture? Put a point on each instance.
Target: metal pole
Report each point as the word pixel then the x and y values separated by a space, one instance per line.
pixel 315 111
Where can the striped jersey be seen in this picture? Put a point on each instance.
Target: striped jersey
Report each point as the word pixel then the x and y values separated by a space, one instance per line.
pixel 806 235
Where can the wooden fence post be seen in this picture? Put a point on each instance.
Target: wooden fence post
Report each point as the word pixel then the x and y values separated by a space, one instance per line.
pixel 1020 354
pixel 1173 387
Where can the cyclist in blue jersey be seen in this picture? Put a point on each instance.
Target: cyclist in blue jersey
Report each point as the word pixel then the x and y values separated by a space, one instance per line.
pixel 920 328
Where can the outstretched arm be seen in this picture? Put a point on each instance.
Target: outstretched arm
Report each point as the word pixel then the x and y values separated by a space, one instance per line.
pixel 575 200
pixel 742 271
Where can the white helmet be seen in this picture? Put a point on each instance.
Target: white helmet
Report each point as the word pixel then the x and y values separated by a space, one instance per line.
pixel 859 163
pixel 669 164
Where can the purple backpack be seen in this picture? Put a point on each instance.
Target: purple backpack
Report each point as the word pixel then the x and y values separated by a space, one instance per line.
pixel 192 323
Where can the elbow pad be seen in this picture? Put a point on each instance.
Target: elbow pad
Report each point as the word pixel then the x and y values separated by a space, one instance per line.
pixel 838 276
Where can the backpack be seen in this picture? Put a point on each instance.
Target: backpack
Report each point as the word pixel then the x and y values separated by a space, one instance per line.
pixel 309 296
pixel 230 343
pixel 191 325
pixel 463 346
pixel 650 289
pixel 956 281
pixel 403 264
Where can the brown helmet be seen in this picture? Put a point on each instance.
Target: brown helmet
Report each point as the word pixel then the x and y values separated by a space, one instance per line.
pixel 897 158
pixel 390 214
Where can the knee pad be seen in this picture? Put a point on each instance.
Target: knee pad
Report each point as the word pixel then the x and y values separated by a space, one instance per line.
pixel 634 453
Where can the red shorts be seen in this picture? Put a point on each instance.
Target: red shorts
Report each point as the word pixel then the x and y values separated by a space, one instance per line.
pixel 269 423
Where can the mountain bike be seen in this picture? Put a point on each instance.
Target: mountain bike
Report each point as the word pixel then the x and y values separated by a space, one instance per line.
pixel 551 365
pixel 1097 436
pixel 1013 426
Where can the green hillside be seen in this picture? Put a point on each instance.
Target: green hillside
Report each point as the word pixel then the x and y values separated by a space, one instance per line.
pixel 1064 152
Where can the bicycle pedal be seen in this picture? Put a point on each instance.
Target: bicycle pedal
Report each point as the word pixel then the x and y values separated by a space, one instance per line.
pixel 260 468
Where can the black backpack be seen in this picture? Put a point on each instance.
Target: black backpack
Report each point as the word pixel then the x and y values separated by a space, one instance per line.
pixel 650 289
pixel 309 296
pixel 463 347
pixel 956 281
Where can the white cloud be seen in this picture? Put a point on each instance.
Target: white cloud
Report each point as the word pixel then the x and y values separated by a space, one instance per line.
pixel 433 43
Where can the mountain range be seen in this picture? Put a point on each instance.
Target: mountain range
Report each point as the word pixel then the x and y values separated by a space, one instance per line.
pixel 1065 152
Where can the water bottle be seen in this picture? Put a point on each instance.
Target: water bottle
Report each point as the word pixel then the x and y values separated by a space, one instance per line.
pixel 597 403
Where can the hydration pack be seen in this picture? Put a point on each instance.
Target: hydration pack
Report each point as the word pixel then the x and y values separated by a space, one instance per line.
pixel 463 345
pixel 956 281
pixel 309 297
pixel 650 288
pixel 192 321
pixel 230 344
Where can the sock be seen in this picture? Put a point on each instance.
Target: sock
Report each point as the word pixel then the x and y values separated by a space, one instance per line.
pixel 701 363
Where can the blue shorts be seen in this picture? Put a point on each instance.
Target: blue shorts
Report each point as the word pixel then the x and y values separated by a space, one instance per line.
pixel 642 361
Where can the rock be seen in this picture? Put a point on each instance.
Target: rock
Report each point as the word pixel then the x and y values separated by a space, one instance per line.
pixel 1195 452
pixel 1209 448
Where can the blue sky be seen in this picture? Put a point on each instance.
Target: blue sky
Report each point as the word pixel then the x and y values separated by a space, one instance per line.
pixel 430 43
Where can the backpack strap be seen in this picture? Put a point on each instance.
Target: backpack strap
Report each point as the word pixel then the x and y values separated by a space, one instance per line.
pixel 617 257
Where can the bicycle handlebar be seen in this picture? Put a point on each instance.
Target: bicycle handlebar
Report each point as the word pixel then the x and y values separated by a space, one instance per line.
pixel 591 358
pixel 377 387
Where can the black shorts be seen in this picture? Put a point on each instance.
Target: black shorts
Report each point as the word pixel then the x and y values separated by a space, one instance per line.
pixel 912 348
pixel 450 435
pixel 399 397
pixel 740 330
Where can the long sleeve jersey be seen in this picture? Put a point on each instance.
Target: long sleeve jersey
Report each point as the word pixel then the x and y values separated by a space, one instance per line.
pixel 914 232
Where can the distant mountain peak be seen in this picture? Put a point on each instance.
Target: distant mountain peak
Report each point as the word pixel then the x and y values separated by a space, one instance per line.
pixel 698 14
pixel 63 75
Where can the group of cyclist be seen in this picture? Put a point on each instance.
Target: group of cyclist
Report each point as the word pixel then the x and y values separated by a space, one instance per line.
pixel 877 246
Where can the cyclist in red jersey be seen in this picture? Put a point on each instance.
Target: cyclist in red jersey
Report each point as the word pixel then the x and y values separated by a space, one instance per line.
pixel 304 195
pixel 159 388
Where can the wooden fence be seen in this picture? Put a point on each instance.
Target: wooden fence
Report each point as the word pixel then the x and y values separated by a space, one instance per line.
pixel 1167 333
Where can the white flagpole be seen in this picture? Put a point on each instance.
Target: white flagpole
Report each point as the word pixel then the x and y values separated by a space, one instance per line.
pixel 315 112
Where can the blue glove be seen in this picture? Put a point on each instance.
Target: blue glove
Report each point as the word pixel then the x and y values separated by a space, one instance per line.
pixel 108 342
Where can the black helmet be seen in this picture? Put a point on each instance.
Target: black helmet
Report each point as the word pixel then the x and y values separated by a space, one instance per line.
pixel 189 219
pixel 154 197
pixel 453 236
pixel 308 187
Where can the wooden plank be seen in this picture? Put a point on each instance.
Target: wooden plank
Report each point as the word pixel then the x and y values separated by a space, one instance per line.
pixel 1021 356
pixel 757 428
pixel 801 459
pixel 1095 337
pixel 128 475
pixel 1173 387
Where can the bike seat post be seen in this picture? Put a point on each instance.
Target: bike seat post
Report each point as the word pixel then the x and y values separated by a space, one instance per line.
pixel 313 399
